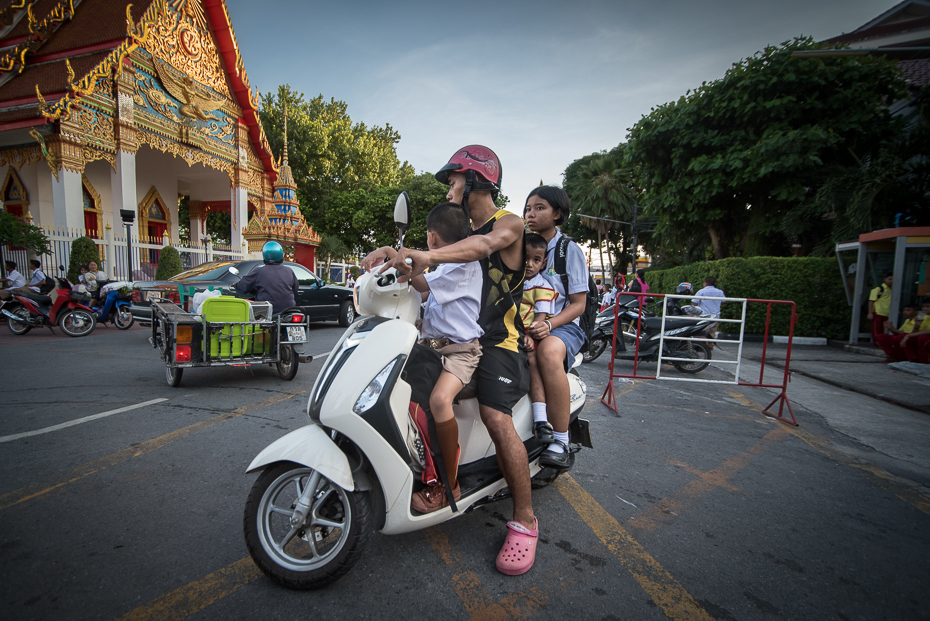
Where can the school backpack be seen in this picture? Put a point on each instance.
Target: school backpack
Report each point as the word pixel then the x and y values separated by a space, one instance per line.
pixel 588 317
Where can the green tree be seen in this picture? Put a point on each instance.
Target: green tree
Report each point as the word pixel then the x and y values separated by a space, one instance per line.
pixel 16 232
pixel 734 156
pixel 329 154
pixel 218 227
pixel 169 263
pixel 83 251
pixel 600 186
pixel 331 249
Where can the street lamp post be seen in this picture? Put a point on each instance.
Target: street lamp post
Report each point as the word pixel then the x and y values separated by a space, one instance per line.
pixel 128 216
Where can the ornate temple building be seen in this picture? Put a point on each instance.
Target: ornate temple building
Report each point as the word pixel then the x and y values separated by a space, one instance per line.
pixel 109 105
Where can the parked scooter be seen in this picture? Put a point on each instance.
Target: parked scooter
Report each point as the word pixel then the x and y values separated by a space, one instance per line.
pixel 115 309
pixel 61 307
pixel 355 467
pixel 648 331
pixel 604 324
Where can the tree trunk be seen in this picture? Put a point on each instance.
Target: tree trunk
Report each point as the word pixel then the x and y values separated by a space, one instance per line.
pixel 600 251
pixel 718 240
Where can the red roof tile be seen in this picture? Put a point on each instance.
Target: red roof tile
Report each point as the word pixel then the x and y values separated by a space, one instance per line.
pixel 51 77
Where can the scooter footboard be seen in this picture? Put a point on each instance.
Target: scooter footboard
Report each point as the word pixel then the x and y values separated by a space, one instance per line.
pixel 312 447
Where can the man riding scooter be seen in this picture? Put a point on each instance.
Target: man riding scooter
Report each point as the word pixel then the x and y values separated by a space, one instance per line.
pixel 272 282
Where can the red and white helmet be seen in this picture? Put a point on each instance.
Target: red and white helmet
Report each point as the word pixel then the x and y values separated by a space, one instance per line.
pixel 481 167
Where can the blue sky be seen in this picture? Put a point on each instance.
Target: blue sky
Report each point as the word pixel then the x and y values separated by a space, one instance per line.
pixel 542 83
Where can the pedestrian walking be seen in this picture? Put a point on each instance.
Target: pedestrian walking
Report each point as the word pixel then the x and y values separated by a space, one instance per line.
pixel 710 307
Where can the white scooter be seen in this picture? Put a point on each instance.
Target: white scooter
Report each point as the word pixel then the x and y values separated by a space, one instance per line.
pixel 357 464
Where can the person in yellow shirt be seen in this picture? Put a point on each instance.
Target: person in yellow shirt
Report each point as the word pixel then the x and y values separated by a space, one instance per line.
pixel 916 345
pixel 891 343
pixel 880 306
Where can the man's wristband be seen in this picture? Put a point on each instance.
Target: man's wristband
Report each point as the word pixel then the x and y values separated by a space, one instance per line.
pixel 548 325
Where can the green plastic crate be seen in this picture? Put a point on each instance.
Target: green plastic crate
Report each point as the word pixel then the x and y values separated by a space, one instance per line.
pixel 229 342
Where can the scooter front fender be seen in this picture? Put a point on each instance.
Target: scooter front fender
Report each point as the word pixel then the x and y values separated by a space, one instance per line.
pixel 309 446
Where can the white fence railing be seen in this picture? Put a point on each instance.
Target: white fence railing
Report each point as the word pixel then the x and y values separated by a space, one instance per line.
pixel 113 251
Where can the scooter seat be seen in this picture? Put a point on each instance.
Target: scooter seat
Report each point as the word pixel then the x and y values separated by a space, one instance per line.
pixel 654 324
pixel 38 298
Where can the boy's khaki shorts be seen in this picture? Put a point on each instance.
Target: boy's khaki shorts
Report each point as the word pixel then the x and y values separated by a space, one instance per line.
pixel 459 359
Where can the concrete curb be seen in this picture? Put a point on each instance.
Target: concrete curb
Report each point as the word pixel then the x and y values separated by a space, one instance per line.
pixel 783 340
pixel 844 386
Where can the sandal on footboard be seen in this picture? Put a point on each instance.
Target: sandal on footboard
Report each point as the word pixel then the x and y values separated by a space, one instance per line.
pixel 519 551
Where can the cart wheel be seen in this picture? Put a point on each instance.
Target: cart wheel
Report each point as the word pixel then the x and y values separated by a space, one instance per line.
pixel 287 366
pixel 173 375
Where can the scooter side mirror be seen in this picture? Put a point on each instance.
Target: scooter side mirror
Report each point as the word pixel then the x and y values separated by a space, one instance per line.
pixel 402 215
pixel 233 270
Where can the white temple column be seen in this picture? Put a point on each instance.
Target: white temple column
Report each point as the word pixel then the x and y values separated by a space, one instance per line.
pixel 239 213
pixel 68 199
pixel 123 185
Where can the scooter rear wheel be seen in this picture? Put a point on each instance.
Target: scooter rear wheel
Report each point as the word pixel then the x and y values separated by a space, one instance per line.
pixel 16 327
pixel 173 376
pixel 322 547
pixel 699 351
pixel 287 366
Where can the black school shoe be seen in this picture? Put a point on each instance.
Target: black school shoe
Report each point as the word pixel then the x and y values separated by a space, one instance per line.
pixel 542 431
pixel 559 461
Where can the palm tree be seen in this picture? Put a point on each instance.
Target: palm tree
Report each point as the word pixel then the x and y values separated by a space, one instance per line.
pixel 605 193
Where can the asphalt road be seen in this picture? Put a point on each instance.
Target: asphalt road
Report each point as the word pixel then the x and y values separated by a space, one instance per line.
pixel 693 505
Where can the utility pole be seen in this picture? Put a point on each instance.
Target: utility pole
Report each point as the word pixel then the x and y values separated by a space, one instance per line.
pixel 635 236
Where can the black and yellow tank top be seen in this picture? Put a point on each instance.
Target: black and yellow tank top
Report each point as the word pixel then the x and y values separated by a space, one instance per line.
pixel 501 294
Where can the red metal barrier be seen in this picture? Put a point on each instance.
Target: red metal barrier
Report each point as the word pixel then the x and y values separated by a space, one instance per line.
pixel 609 397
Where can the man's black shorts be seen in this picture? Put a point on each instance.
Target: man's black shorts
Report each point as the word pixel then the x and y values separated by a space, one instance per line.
pixel 503 378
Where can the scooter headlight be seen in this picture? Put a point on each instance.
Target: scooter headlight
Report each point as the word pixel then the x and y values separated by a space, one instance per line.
pixel 371 393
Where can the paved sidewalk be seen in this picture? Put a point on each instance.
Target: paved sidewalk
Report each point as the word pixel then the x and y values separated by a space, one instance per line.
pixel 857 394
pixel 859 370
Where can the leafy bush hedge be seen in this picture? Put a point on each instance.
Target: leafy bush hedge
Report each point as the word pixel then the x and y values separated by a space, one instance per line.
pixel 814 284
pixel 83 251
pixel 169 263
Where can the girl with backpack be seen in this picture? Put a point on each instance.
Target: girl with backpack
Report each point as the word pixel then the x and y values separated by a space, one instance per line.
pixel 561 336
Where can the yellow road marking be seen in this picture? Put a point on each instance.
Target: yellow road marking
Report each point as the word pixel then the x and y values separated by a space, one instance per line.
pixel 32 492
pixel 667 508
pixel 478 603
pixel 465 583
pixel 194 597
pixel 889 482
pixel 664 590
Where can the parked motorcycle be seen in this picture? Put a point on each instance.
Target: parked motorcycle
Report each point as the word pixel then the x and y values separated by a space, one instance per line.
pixel 636 325
pixel 61 307
pixel 604 324
pixel 354 468
pixel 115 309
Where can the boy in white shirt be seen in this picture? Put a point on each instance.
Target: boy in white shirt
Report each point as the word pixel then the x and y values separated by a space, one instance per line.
pixel 450 326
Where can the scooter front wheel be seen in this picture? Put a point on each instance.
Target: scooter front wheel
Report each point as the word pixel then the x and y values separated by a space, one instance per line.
pixel 123 319
pixel 309 549
pixel 595 348
pixel 77 322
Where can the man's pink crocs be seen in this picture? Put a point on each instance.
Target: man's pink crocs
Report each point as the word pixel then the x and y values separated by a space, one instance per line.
pixel 519 551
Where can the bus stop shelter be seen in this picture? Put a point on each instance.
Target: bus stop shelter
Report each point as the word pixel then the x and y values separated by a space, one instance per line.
pixel 904 251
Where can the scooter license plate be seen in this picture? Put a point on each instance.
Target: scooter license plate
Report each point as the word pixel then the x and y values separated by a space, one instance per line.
pixel 296 334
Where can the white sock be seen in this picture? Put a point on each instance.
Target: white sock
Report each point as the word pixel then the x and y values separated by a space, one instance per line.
pixel 555 447
pixel 539 412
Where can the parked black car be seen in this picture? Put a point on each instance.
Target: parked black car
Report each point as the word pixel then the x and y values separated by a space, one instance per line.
pixel 319 301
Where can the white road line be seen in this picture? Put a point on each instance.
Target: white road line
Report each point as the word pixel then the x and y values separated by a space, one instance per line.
pixel 78 421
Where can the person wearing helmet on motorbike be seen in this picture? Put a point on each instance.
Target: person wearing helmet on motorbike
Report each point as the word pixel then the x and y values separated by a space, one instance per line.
pixel 673 305
pixel 271 282
pixel 473 175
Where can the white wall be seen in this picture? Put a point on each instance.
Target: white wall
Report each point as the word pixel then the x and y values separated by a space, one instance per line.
pixel 156 168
